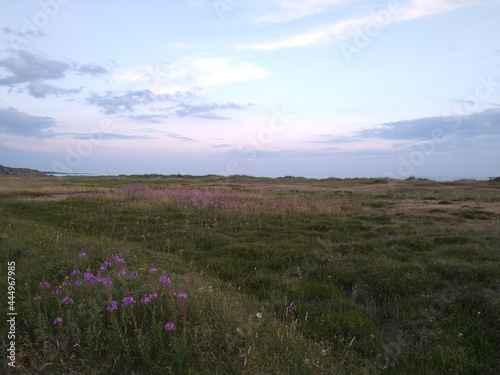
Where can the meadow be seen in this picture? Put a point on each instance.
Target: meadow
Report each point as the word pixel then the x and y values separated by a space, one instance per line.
pixel 238 275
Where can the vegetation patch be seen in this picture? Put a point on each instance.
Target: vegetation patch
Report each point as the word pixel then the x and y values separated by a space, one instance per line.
pixel 186 275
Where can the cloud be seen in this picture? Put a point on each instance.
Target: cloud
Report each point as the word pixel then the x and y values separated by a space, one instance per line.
pixel 181 105
pixel 206 110
pixel 179 137
pixel 108 136
pixel 92 69
pixel 41 90
pixel 151 118
pixel 19 123
pixel 335 140
pixel 26 67
pixel 343 29
pixel 455 134
pixel 17 37
pixel 482 124
pixel 281 11
pixel 221 71
pixel 169 134
pixel 111 102
pixel 191 74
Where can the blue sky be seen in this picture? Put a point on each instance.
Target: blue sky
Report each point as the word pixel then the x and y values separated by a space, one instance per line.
pixel 314 88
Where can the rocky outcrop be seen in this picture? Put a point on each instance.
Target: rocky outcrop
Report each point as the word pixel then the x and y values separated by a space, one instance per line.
pixel 20 171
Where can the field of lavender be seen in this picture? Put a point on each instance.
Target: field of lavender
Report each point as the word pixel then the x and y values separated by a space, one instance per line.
pixel 213 275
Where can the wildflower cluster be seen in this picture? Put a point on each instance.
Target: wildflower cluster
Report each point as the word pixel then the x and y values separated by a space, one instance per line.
pixel 220 201
pixel 110 285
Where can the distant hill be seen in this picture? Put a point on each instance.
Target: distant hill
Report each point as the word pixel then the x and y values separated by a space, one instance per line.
pixel 20 171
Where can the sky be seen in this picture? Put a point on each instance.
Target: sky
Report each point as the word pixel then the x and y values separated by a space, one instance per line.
pixel 316 88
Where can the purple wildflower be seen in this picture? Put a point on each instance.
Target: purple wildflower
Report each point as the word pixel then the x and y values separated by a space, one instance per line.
pixel 122 273
pixel 134 274
pixel 58 321
pixel 165 280
pixel 112 306
pixel 44 284
pixel 292 307
pixel 82 255
pixel 27 282
pixel 106 281
pixel 56 292
pixel 78 283
pixel 88 276
pixel 66 283
pixel 67 300
pixel 128 301
pixel 105 266
pixel 147 299
pixel 118 260
pixel 181 296
pixel 75 273
pixel 38 297
pixel 152 271
pixel 169 326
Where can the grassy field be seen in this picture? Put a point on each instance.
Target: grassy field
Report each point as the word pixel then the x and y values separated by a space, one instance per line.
pixel 239 275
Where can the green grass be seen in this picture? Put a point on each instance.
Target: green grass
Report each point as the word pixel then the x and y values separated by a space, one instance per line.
pixel 377 286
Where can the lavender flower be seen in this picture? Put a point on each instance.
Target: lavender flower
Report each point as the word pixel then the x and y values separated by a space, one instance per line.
pixel 181 296
pixel 82 255
pixel 152 271
pixel 88 276
pixel 165 280
pixel 106 281
pixel 27 282
pixel 147 299
pixel 134 274
pixel 122 273
pixel 78 283
pixel 44 284
pixel 169 326
pixel 58 321
pixel 118 260
pixel 56 292
pixel 128 301
pixel 67 300
pixel 105 266
pixel 75 273
pixel 38 297
pixel 112 306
